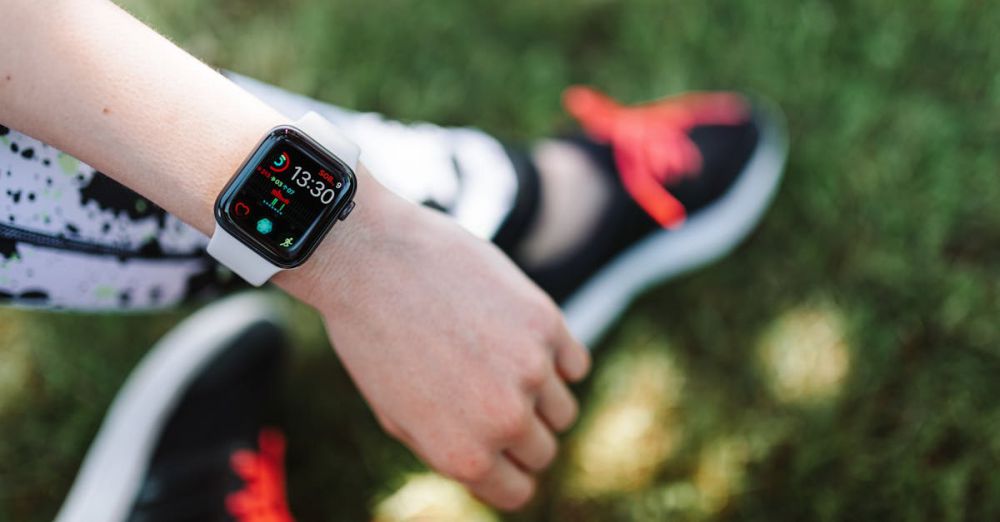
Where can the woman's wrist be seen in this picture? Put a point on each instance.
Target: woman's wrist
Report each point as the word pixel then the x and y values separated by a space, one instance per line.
pixel 327 279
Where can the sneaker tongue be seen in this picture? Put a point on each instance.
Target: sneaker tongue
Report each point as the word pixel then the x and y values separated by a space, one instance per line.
pixel 651 143
pixel 648 152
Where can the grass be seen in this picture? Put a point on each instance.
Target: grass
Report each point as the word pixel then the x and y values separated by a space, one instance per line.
pixel 842 364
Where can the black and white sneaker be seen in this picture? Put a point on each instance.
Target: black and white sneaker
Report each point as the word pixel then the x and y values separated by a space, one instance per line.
pixel 694 176
pixel 184 438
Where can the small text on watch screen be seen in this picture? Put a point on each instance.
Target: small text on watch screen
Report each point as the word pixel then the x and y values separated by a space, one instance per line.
pixel 284 197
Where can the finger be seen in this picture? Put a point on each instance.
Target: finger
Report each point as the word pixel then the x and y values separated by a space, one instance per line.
pixel 506 486
pixel 535 450
pixel 556 404
pixel 572 358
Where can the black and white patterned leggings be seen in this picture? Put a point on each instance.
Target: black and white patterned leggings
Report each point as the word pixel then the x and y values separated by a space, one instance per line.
pixel 72 238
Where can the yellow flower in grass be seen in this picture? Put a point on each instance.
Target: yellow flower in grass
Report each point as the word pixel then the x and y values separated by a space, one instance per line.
pixel 805 356
pixel 429 497
pixel 631 430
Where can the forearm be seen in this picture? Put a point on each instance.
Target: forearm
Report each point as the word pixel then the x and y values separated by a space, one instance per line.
pixel 84 76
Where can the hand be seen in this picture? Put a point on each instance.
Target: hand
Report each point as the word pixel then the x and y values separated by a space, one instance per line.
pixel 460 356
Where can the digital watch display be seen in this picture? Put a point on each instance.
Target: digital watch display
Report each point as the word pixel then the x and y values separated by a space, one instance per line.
pixel 285 197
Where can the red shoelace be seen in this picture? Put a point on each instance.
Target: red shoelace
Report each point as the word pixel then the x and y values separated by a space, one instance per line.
pixel 263 497
pixel 650 142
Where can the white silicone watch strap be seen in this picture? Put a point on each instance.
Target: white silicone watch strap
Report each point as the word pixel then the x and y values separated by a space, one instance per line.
pixel 239 258
pixel 246 263
pixel 331 137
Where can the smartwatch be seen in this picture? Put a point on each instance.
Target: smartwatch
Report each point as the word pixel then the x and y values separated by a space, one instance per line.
pixel 283 200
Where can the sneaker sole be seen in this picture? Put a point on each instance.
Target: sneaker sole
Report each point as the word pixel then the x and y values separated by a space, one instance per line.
pixel 115 465
pixel 705 237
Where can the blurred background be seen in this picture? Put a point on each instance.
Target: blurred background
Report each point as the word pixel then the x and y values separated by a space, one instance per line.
pixel 844 363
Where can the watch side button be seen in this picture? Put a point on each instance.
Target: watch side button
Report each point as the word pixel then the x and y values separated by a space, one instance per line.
pixel 346 212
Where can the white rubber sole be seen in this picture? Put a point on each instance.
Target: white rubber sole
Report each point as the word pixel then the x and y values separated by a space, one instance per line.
pixel 116 463
pixel 704 237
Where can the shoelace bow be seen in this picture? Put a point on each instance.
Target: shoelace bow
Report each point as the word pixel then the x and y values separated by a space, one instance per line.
pixel 650 142
pixel 263 497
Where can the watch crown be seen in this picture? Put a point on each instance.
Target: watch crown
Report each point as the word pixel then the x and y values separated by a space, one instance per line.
pixel 347 211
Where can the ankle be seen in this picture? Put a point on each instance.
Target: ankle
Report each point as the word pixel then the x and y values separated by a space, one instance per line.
pixel 573 195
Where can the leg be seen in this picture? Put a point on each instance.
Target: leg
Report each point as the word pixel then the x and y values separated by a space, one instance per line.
pixel 72 238
pixel 646 194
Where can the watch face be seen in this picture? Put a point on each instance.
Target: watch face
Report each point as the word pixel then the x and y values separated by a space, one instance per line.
pixel 285 197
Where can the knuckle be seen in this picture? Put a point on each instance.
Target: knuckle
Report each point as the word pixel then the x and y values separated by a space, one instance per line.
pixel 469 466
pixel 545 317
pixel 512 421
pixel 536 369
